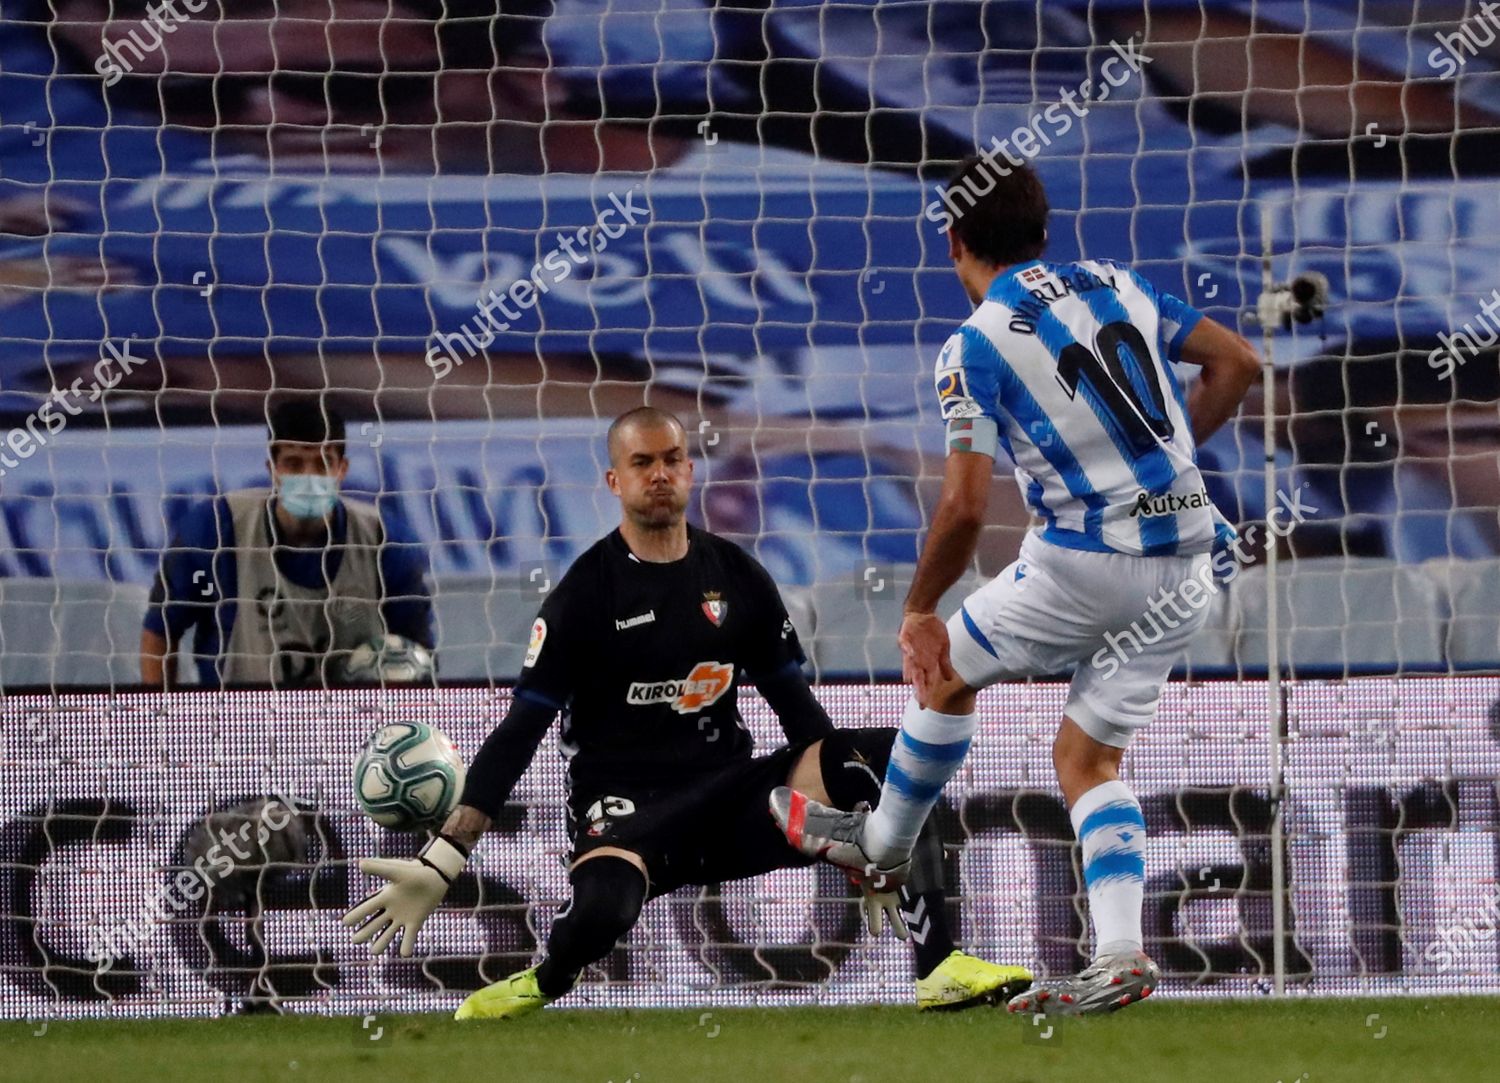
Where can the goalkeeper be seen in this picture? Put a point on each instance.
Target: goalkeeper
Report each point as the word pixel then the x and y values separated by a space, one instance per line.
pixel 642 647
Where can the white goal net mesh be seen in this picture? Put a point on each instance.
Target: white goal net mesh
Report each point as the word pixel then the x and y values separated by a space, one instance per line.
pixel 479 231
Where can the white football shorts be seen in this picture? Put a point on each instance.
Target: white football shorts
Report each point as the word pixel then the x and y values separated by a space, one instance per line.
pixel 1101 616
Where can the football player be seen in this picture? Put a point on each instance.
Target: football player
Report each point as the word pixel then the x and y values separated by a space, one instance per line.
pixel 642 647
pixel 1066 368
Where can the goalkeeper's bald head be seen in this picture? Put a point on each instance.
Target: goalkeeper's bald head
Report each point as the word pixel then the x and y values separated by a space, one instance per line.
pixel 642 418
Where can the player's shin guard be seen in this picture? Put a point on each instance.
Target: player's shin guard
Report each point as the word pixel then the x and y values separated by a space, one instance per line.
pixel 1108 822
pixel 928 752
pixel 852 763
pixel 608 893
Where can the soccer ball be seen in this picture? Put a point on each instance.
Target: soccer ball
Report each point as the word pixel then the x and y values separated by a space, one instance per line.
pixel 408 776
pixel 388 659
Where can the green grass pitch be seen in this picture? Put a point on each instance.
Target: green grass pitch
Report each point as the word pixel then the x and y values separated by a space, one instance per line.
pixel 1294 1041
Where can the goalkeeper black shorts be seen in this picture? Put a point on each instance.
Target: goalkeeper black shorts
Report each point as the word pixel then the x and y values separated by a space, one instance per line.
pixel 718 827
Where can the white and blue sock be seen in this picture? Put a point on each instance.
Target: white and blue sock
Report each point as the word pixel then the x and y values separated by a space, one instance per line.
pixel 1108 822
pixel 927 753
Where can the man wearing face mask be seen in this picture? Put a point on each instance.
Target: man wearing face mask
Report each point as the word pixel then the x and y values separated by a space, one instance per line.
pixel 279 584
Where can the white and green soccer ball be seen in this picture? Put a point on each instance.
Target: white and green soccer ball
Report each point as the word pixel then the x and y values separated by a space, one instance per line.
pixel 409 776
pixel 388 659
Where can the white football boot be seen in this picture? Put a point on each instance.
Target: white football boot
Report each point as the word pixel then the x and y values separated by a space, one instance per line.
pixel 1108 984
pixel 832 835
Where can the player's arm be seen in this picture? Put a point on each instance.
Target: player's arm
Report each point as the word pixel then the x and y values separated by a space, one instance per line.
pixel 967 379
pixel 1230 364
pixel 417 886
pixel 947 552
pixel 775 660
pixel 787 693
pixel 503 758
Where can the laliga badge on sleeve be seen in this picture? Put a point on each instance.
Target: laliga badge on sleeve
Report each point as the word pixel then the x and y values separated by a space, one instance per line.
pixel 534 648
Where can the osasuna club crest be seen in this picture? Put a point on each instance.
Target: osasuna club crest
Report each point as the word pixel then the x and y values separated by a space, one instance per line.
pixel 715 608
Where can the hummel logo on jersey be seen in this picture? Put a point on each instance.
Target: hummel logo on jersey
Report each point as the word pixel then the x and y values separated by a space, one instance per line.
pixel 647 617
pixel 1147 505
pixel 701 688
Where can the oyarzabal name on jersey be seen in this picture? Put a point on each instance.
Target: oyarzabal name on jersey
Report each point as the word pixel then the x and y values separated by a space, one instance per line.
pixel 1147 505
pixel 1046 287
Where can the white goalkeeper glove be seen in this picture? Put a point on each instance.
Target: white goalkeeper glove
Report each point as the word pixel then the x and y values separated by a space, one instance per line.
pixel 404 905
pixel 881 906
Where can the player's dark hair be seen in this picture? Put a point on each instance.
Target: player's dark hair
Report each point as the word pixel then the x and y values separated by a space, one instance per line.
pixel 999 210
pixel 305 421
pixel 641 415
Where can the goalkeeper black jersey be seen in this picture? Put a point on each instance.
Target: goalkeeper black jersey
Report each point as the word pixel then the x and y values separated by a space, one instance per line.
pixel 645 660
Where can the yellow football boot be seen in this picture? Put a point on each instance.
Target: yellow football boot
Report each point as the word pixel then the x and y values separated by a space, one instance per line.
pixel 508 998
pixel 960 981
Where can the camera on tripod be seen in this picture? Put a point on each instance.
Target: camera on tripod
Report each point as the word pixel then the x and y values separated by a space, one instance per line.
pixel 1302 300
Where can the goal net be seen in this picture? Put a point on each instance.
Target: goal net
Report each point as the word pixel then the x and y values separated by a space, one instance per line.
pixel 478 232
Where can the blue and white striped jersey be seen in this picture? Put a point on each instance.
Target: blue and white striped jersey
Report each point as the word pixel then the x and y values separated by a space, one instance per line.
pixel 1064 365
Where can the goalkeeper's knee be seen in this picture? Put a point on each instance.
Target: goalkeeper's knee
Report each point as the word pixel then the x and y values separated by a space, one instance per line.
pixel 853 764
pixel 608 893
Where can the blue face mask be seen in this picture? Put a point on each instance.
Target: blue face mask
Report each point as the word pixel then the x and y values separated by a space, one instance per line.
pixel 308 496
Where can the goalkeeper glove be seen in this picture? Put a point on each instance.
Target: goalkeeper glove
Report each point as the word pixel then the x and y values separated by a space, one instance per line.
pixel 881 906
pixel 404 905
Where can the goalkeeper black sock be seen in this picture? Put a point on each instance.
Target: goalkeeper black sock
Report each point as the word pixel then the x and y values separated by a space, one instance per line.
pixel 608 893
pixel 924 903
pixel 852 763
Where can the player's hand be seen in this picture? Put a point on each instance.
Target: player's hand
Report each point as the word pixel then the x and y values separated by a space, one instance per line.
pixel 924 654
pixel 881 906
pixel 404 905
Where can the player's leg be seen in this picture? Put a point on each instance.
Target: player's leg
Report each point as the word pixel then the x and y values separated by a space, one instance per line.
pixel 988 640
pixel 928 751
pixel 1111 831
pixel 1107 706
pixel 610 886
pixel 614 850
pixel 844 771
pixel 1107 820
